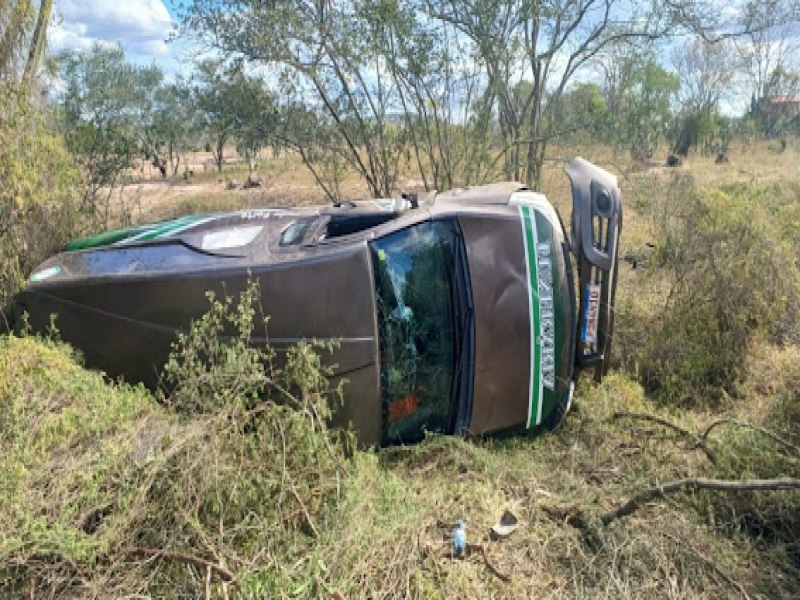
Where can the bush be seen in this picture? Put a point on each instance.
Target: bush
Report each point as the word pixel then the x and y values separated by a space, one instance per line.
pixel 726 278
pixel 107 492
pixel 38 206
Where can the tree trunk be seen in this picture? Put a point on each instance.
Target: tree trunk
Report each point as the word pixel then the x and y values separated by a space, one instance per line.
pixel 12 35
pixel 218 154
pixel 38 42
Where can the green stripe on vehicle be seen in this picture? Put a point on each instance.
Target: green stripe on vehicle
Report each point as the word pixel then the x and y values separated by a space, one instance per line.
pixel 135 234
pixel 530 239
pixel 165 228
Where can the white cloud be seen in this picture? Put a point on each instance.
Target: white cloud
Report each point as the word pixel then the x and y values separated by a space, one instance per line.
pixel 141 26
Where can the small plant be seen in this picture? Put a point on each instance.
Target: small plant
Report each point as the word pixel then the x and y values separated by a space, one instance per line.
pixel 214 366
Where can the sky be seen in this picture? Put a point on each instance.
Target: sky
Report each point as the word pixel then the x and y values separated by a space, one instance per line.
pixel 141 26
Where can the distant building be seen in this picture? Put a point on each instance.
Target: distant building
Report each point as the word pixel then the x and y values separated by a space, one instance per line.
pixel 780 106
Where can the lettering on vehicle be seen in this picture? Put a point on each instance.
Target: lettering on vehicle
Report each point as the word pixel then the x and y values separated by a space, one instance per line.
pixel 539 270
pixel 547 316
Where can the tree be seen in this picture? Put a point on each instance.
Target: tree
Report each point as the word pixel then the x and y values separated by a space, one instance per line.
pixel 447 114
pixel 37 42
pixel 256 117
pixel 322 50
pixel 38 208
pixel 777 110
pixel 231 104
pixel 16 17
pixel 549 42
pixel 769 40
pixel 584 108
pixel 173 123
pixel 23 35
pixel 638 93
pixel 706 71
pixel 209 95
pixel 105 108
pixel 646 115
pixel 476 84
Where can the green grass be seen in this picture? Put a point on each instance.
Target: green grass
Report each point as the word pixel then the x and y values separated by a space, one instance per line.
pixel 91 469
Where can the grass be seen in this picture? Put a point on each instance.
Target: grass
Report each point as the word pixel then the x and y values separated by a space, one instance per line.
pixel 92 468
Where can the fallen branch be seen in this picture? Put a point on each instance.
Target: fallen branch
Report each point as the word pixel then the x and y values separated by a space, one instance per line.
pixel 499 574
pixel 700 440
pixel 696 438
pixel 731 421
pixel 306 514
pixel 694 484
pixel 473 548
pixel 223 573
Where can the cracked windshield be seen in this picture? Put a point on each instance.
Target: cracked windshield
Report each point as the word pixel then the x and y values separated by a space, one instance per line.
pixel 413 277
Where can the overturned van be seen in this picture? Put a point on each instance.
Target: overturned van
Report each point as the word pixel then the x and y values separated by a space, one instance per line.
pixel 470 311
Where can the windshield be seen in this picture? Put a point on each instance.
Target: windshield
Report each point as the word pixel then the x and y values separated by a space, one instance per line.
pixel 418 313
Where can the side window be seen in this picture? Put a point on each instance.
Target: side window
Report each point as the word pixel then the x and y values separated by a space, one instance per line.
pixel 295 232
pixel 414 277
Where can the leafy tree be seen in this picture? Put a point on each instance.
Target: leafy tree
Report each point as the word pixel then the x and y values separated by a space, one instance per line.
pixel 706 72
pixel 646 110
pixel 326 53
pixel 638 93
pixel 232 104
pixel 38 208
pixel 489 72
pixel 174 123
pixel 256 118
pixel 584 108
pixel 106 109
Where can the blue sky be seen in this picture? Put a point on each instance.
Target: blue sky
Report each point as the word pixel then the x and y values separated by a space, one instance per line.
pixel 141 26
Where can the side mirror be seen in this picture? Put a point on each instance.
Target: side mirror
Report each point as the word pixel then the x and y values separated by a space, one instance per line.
pixel 595 230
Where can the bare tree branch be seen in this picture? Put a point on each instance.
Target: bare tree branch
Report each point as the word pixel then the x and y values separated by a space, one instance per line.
pixel 694 484
pixel 731 421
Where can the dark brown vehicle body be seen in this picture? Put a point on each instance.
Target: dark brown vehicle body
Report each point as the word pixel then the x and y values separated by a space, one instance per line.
pixel 491 264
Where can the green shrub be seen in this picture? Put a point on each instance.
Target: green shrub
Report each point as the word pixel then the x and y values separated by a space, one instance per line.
pixel 98 479
pixel 38 206
pixel 726 279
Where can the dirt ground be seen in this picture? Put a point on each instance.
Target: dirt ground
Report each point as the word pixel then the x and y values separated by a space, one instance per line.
pixel 287 182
